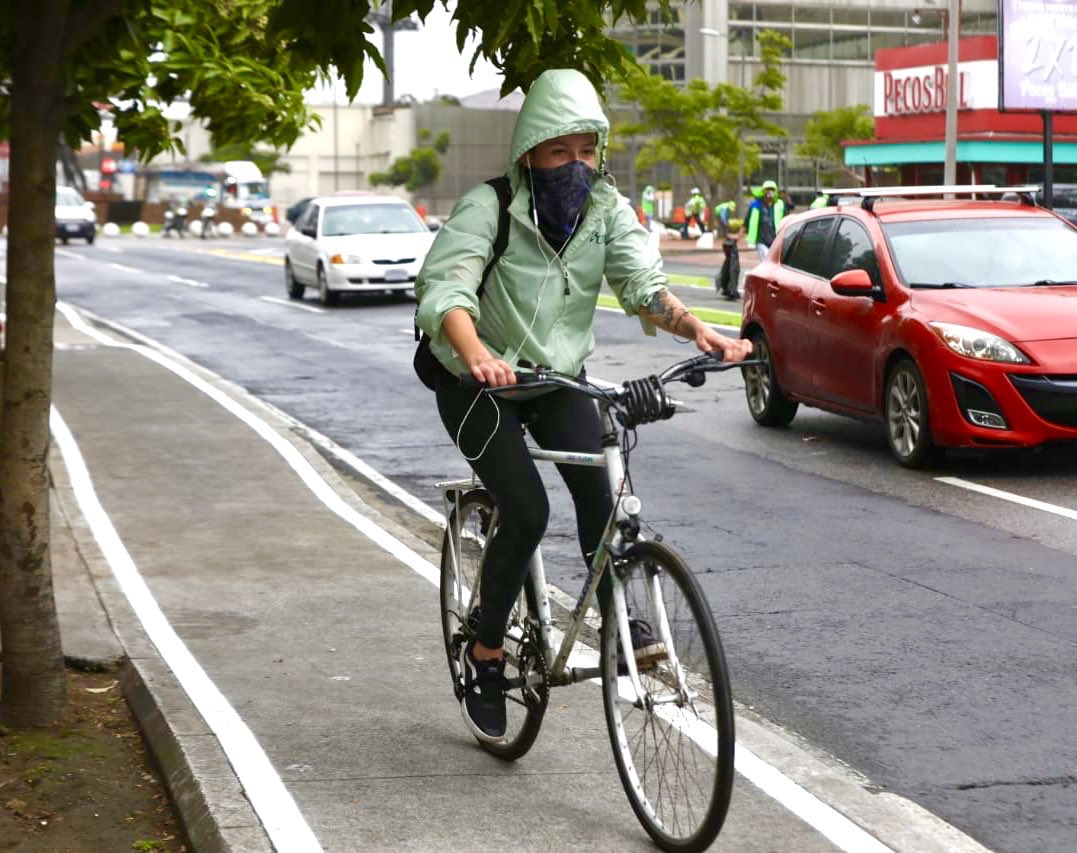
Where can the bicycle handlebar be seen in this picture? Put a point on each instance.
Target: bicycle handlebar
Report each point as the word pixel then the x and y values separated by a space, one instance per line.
pixel 637 401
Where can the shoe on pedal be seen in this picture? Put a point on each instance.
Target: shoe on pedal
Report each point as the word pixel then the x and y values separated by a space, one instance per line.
pixel 647 648
pixel 483 704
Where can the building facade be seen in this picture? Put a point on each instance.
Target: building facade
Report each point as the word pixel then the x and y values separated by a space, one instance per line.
pixel 831 63
pixel 993 147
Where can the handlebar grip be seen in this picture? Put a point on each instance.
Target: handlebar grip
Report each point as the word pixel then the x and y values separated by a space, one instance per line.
pixel 472 384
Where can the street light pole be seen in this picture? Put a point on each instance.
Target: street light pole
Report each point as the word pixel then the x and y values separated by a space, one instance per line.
pixel 953 35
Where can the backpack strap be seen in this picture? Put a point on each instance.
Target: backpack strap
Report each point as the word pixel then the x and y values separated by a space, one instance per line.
pixel 501 186
pixel 503 189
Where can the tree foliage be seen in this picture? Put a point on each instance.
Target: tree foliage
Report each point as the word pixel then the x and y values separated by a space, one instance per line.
pixel 419 169
pixel 704 129
pixel 825 132
pixel 243 66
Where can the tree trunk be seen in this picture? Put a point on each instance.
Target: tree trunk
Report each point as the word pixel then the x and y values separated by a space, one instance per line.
pixel 33 690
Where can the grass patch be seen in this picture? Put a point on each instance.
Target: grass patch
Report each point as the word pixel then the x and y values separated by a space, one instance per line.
pixel 707 315
pixel 689 280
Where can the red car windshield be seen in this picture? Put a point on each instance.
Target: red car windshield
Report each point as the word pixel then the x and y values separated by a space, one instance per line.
pixel 988 252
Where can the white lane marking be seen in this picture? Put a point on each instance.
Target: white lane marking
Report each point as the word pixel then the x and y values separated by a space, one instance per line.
pixel 69 254
pixel 823 818
pixel 278 301
pixel 116 250
pixel 831 823
pixel 125 268
pixel 263 787
pixel 190 282
pixel 1009 496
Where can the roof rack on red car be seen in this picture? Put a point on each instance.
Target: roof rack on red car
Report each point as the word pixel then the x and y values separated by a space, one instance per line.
pixel 869 195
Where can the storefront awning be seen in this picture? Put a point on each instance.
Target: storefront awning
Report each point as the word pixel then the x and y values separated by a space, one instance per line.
pixel 968 151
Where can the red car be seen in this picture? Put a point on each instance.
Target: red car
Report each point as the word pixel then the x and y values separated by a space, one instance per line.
pixel 953 322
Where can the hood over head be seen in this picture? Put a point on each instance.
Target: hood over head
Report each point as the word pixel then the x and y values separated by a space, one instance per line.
pixel 561 101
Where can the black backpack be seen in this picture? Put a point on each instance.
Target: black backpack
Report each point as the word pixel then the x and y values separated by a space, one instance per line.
pixel 426 365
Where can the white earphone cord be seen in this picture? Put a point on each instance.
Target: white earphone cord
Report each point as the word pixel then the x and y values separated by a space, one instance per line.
pixel 538 303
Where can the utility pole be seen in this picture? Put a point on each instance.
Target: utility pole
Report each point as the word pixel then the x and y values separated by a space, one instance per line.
pixel 953 22
pixel 383 19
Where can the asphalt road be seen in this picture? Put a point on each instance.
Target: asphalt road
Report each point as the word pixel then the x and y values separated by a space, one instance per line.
pixel 919 631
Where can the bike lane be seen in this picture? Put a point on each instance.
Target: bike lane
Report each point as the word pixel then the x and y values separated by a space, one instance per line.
pixel 303 699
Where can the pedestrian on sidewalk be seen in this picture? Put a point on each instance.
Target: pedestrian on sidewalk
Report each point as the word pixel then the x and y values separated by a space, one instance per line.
pixel 567 230
pixel 765 214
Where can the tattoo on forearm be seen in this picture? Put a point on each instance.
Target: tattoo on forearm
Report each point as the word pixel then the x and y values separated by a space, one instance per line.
pixel 666 311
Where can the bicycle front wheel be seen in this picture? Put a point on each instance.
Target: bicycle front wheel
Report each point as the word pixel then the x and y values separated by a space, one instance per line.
pixel 673 743
pixel 471 524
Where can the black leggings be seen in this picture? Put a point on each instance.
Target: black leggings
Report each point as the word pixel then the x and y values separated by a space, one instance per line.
pixel 557 420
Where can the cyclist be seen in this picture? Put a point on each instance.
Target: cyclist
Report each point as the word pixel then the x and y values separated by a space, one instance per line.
pixel 568 227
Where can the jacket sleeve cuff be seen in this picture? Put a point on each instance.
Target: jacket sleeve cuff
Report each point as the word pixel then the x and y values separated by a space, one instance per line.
pixel 431 314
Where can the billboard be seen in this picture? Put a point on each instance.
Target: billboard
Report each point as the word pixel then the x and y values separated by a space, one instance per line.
pixel 1038 55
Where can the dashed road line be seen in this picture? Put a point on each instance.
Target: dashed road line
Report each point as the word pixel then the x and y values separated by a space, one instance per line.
pixel 1032 503
pixel 190 282
pixel 125 268
pixel 278 301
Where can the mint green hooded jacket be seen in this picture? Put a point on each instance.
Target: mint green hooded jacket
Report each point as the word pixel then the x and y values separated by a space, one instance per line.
pixel 537 307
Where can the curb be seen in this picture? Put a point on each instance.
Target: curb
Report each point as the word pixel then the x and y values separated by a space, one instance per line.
pixel 213 810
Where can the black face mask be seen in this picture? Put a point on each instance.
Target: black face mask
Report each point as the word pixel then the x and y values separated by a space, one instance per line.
pixel 558 195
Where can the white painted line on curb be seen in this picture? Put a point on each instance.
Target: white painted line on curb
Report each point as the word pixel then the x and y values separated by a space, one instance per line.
pixel 274 806
pixel 1009 496
pixel 278 301
pixel 840 830
pixel 190 282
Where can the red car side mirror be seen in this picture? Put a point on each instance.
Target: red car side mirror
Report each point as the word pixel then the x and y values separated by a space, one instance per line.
pixel 852 283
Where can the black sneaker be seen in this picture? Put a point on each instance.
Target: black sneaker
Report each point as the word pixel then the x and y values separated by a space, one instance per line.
pixel 648 650
pixel 483 704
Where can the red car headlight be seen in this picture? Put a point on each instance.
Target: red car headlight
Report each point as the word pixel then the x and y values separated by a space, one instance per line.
pixel 978 344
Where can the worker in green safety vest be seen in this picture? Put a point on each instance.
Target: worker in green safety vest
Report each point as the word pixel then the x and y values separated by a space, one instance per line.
pixel 694 211
pixel 646 205
pixel 764 216
pixel 722 213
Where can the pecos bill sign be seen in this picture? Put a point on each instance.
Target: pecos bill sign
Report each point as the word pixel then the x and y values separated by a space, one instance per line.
pixel 922 89
pixel 1038 55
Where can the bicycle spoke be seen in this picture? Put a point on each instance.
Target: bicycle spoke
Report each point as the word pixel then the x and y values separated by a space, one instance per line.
pixel 674 741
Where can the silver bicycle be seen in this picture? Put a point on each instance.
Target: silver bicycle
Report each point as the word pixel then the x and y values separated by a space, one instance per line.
pixel 665 687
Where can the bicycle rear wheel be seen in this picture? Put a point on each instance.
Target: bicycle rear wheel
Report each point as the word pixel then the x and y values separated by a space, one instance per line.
pixel 471 524
pixel 674 744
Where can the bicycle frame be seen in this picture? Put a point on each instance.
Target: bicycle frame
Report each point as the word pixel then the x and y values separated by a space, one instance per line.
pixel 613 544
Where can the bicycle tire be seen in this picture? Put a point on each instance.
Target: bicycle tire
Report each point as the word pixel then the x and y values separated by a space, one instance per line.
pixel 677 779
pixel 525 702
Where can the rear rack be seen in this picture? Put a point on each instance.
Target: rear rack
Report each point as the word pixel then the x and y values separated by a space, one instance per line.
pixel 869 195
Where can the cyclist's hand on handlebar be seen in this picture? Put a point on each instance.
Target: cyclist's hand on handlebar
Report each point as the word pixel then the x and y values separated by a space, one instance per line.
pixel 732 349
pixel 490 370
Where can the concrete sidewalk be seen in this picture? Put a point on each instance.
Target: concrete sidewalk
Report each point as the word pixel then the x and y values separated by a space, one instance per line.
pixel 326 645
